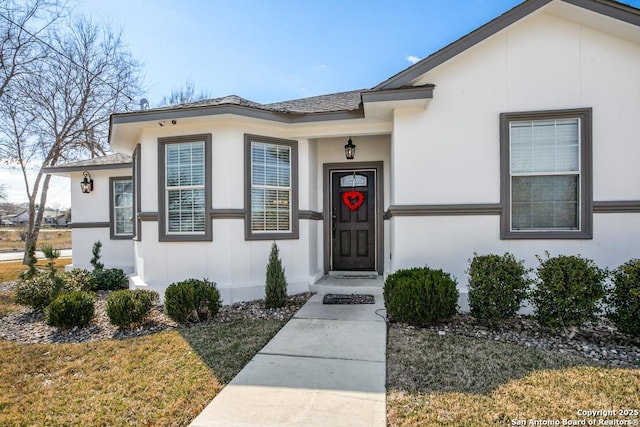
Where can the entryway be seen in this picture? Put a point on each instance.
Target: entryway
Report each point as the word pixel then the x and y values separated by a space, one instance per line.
pixel 353 217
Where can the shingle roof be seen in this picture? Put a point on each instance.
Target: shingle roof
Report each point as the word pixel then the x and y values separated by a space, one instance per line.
pixel 110 161
pixel 342 101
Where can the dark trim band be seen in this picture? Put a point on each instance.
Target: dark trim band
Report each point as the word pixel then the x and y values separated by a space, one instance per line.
pixel 312 215
pixel 148 216
pixel 617 206
pixel 227 213
pixel 88 225
pixel 444 210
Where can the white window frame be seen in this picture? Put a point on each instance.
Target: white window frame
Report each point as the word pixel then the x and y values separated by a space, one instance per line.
pixel 113 217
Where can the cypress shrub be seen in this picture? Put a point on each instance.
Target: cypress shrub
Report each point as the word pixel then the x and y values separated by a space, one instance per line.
pixel 497 286
pixel 420 296
pixel 192 300
pixel 568 291
pixel 71 309
pixel 624 299
pixel 276 283
pixel 129 307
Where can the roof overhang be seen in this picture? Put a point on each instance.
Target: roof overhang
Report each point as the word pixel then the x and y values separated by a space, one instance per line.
pixel 128 126
pixel 381 103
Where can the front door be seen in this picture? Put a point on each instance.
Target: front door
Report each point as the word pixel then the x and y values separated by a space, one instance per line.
pixel 353 208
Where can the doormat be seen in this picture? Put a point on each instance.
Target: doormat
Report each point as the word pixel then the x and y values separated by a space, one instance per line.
pixel 348 299
pixel 356 276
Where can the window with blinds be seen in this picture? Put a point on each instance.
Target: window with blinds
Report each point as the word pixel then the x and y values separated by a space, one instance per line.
pixel 121 207
pixel 271 204
pixel 545 174
pixel 185 187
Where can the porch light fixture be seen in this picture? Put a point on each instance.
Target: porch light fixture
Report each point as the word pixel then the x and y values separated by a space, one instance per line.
pixel 86 185
pixel 350 150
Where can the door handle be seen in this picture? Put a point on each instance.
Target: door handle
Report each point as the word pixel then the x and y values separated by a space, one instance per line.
pixel 334 220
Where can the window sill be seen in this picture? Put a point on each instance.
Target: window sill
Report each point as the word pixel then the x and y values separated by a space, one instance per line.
pixel 547 235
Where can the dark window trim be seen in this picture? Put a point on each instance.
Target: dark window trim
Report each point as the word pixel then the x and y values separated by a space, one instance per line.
pixel 163 236
pixel 112 219
pixel 137 193
pixel 248 232
pixel 586 175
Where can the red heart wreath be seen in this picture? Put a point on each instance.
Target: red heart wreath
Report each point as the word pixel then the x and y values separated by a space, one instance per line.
pixel 353 199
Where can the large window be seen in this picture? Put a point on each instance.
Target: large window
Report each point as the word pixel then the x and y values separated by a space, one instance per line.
pixel 546 163
pixel 272 190
pixel 121 210
pixel 185 182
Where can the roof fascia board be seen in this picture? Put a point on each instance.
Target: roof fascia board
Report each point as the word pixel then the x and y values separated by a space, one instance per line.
pixel 404 94
pixel 615 10
pixel 480 34
pixel 59 169
pixel 234 110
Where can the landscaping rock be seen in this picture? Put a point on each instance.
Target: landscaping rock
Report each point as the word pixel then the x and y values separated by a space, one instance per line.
pixel 28 326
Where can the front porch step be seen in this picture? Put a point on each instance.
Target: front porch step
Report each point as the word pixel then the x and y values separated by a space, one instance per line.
pixel 339 283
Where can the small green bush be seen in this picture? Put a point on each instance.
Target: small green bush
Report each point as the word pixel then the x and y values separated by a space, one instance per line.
pixel 79 279
pixel 34 291
pixel 71 309
pixel 110 279
pixel 192 300
pixel 95 260
pixel 420 296
pixel 568 291
pixel 130 307
pixel 38 291
pixel 497 286
pixel 276 283
pixel 624 299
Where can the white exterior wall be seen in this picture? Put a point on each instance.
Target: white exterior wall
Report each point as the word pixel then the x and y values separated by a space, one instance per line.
pixel 449 154
pixel 88 208
pixel 236 265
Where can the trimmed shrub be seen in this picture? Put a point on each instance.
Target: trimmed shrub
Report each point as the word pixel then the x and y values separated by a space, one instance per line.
pixel 71 309
pixel 130 307
pixel 420 296
pixel 624 299
pixel 192 300
pixel 38 291
pixel 497 286
pixel 110 279
pixel 569 289
pixel 35 291
pixel 31 262
pixel 276 283
pixel 95 259
pixel 79 279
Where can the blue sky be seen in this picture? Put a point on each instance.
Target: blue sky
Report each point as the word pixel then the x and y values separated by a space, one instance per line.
pixel 275 50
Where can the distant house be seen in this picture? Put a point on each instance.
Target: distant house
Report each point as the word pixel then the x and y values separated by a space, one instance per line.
pixel 521 136
pixel 21 217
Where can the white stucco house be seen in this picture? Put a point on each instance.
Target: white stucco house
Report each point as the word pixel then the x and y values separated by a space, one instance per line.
pixel 523 136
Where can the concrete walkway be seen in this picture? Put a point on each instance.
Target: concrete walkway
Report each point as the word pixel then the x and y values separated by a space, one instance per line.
pixel 326 367
pixel 18 255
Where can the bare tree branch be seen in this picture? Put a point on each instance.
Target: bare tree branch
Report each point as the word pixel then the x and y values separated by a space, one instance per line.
pixel 59 110
pixel 184 95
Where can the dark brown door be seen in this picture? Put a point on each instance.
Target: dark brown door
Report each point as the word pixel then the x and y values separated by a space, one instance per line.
pixel 353 220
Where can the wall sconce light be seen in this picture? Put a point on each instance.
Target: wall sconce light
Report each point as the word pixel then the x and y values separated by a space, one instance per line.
pixel 86 185
pixel 350 150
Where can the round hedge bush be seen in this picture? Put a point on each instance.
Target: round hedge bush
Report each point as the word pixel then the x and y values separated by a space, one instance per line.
pixel 71 309
pixel 79 279
pixel 420 296
pixel 39 290
pixel 568 291
pixel 192 300
pixel 110 279
pixel 129 307
pixel 624 299
pixel 498 284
